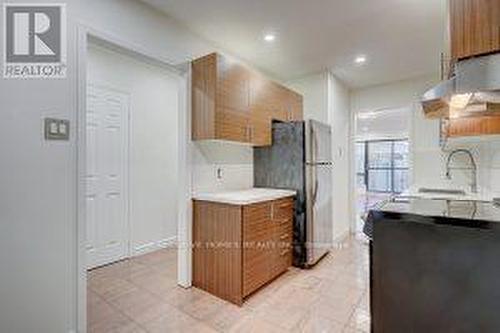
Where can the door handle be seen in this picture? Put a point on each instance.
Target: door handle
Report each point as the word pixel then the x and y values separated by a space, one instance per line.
pixel 315 191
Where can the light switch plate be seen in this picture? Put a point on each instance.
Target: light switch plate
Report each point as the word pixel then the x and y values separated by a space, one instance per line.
pixel 56 129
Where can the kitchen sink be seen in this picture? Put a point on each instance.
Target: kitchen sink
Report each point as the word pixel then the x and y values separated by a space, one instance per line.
pixel 441 191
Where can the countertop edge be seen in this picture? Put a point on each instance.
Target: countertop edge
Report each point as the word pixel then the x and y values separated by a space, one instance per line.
pixel 207 198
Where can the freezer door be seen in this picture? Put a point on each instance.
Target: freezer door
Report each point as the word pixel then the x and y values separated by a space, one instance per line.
pixel 319 211
pixel 318 143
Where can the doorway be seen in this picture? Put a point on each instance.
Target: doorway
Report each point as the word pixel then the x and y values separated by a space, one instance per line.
pixel 381 157
pixel 131 175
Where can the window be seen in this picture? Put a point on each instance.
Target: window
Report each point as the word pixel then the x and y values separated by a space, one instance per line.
pixel 382 166
pixel 360 164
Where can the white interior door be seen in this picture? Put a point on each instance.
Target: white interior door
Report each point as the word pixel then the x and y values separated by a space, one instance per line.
pixel 106 176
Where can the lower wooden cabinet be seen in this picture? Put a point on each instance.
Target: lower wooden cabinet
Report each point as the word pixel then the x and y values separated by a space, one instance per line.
pixel 238 249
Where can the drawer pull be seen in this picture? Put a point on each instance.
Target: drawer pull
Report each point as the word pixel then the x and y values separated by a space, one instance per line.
pixel 284 252
pixel 284 236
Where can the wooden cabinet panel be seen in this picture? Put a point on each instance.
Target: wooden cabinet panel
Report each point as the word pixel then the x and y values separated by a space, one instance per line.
pixel 231 102
pixel 217 269
pixel 468 126
pixel 204 82
pixel 296 106
pixel 474 27
pixel 256 246
pixel 260 122
pixel 492 124
pixel 257 237
pixel 233 116
pixel 472 126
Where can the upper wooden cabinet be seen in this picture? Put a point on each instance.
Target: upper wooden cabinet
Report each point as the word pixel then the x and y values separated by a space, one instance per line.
pixel 474 27
pixel 471 126
pixel 231 102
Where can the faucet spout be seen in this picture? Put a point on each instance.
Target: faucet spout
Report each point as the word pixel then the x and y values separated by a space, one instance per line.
pixel 473 167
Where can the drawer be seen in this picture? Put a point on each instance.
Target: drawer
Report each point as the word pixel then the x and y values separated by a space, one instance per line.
pixel 255 269
pixel 282 261
pixel 257 221
pixel 283 209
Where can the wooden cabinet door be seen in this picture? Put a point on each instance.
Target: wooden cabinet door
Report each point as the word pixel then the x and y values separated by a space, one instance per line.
pixel 278 102
pixel 257 238
pixel 233 105
pixel 260 115
pixel 492 124
pixel 203 97
pixel 474 27
pixel 217 269
pixel 467 126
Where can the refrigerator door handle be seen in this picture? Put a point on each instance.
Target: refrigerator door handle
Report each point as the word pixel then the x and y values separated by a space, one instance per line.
pixel 315 191
pixel 315 145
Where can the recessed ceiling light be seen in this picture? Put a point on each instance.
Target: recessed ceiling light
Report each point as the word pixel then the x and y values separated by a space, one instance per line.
pixel 361 59
pixel 269 37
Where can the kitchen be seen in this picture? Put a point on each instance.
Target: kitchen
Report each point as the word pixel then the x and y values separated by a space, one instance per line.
pixel 249 132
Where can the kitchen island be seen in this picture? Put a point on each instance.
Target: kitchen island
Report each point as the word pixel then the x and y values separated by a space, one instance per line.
pixel 435 266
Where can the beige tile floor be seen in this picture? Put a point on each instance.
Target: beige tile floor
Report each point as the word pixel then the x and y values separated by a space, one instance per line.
pixel 141 295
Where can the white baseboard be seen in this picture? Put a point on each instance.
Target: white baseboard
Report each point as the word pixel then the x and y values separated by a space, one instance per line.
pixel 341 238
pixel 154 246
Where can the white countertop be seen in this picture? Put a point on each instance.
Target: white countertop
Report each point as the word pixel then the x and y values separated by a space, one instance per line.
pixel 244 197
pixel 413 192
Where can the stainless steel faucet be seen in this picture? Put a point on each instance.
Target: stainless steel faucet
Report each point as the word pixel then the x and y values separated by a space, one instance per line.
pixel 473 167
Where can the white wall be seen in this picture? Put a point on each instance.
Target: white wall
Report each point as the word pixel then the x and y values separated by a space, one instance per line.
pixel 153 129
pixel 340 118
pixel 38 210
pixel 326 99
pixel 423 133
pixel 314 89
pixel 234 161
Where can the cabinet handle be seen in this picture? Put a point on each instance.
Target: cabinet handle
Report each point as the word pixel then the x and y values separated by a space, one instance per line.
pixel 248 134
pixel 272 212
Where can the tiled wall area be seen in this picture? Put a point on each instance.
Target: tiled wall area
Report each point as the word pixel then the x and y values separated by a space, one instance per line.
pixel 430 166
pixel 489 166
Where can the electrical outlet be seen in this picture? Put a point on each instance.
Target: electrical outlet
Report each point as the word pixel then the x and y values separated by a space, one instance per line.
pixel 219 173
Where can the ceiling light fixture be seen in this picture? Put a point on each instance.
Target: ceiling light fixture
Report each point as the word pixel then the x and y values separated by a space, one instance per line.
pixel 269 37
pixel 361 59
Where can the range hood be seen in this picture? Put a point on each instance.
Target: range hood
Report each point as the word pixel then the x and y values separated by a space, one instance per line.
pixel 474 87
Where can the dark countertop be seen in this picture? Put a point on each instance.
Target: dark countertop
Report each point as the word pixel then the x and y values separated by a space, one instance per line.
pixel 442 212
pixel 434 266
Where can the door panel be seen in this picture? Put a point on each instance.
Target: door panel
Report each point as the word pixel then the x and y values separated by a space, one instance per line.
pixel 474 27
pixel 319 142
pixel 319 211
pixel 106 176
pixel 233 110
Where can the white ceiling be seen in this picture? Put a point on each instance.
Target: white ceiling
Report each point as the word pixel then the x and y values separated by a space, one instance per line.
pixel 401 38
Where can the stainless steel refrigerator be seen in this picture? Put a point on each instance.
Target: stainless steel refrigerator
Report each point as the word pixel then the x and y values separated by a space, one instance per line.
pixel 300 159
